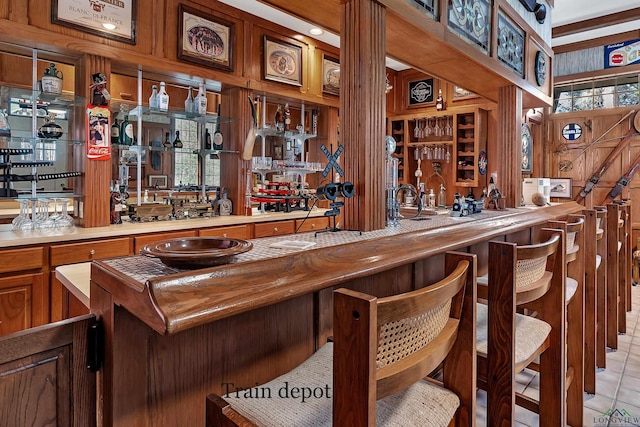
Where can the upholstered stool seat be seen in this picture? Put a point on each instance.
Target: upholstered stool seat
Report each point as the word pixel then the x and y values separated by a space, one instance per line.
pixel 530 334
pixel 422 401
pixel 570 289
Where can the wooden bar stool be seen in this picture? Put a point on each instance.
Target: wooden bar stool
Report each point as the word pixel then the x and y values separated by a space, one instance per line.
pixel 601 286
pixel 613 273
pixel 591 264
pixel 573 228
pixel 373 372
pixel 531 277
pixel 624 274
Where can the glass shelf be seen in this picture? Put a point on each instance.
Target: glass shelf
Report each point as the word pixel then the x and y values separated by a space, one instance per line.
pixel 47 100
pixel 284 134
pixel 37 140
pixel 160 116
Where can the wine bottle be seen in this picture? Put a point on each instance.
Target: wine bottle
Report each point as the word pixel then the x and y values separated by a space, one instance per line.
pixel 279 119
pixel 177 143
pixel 153 99
pixel 439 101
pixel 201 100
pixel 163 97
pixel 287 117
pixel 189 104
pixel 126 132
pixel 207 140
pixel 167 140
pixel 115 132
pixel 217 135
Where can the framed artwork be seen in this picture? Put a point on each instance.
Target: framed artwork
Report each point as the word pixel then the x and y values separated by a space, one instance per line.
pixel 282 61
pixel 205 39
pixel 560 188
pixel 527 148
pixel 421 93
pixel 157 181
pixel 114 20
pixel 130 157
pixel 330 75
pixel 462 93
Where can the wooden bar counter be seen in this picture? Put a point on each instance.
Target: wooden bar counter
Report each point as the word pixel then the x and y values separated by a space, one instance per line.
pixel 173 336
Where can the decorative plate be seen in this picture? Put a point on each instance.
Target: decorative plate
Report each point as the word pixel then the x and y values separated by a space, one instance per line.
pixel 482 162
pixel 196 252
pixel 282 63
pixel 541 68
pixel 332 77
pixel 527 145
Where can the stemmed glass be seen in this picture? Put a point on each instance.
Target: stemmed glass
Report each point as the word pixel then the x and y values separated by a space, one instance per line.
pixel 23 216
pixel 437 130
pixel 448 130
pixel 428 129
pixel 416 130
pixel 64 219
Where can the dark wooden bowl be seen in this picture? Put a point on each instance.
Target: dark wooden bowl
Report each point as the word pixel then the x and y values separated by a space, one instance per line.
pixel 196 252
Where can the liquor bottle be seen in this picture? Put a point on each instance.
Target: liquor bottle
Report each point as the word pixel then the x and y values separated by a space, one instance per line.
pixel 432 199
pixel 153 99
pixel 439 101
pixel 167 140
pixel 201 100
pixel 126 132
pixel 207 140
pixel 177 143
pixel 442 197
pixel 163 97
pixel 279 119
pixel 115 132
pixel 287 117
pixel 189 103
pixel 314 122
pixel 225 206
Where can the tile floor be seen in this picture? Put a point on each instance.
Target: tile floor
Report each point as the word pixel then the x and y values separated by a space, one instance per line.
pixel 617 386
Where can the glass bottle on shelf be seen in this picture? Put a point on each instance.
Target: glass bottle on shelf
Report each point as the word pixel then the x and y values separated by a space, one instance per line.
pixel 126 132
pixel 279 119
pixel 439 101
pixel 177 143
pixel 201 100
pixel 287 117
pixel 163 97
pixel 189 103
pixel 442 197
pixel 153 99
pixel 207 139
pixel 115 132
pixel 167 140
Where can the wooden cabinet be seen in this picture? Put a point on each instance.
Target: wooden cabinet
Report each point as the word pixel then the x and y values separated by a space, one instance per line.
pixel 88 251
pixel 269 229
pixel 140 241
pixel 312 224
pixel 470 140
pixel 23 302
pixel 235 232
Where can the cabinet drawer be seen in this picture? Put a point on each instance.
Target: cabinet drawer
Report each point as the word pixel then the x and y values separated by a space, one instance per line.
pixel 140 241
pixel 88 251
pixel 269 229
pixel 21 259
pixel 235 232
pixel 312 224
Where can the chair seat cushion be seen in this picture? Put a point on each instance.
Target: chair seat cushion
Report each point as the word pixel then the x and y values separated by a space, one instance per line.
pixel 570 289
pixel 421 404
pixel 619 245
pixel 530 334
pixel 598 261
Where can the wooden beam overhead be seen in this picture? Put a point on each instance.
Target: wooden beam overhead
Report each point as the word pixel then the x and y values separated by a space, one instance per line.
pixel 595 23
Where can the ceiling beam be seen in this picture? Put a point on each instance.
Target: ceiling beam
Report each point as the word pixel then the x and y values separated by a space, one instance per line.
pixel 595 23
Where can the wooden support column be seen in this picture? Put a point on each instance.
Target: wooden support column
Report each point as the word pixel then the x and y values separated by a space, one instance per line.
pixel 509 154
pixel 233 170
pixel 93 186
pixel 362 112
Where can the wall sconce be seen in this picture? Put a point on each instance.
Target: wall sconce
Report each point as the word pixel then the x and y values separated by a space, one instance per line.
pixel 539 9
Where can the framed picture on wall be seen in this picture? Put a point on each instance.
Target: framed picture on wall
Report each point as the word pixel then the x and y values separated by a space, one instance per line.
pixel 157 181
pixel 460 93
pixel 205 39
pixel 114 20
pixel 330 75
pixel 421 93
pixel 560 188
pixel 282 61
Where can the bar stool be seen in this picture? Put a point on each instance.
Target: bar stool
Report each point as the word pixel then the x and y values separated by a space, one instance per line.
pixel 591 263
pixel 382 350
pixel 573 228
pixel 601 286
pixel 530 277
pixel 613 273
pixel 624 275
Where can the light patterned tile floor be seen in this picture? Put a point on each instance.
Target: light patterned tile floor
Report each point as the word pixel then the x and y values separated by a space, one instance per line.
pixel 617 387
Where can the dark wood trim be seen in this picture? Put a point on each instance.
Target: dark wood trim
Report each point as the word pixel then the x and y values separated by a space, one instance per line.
pixel 595 23
pixel 601 41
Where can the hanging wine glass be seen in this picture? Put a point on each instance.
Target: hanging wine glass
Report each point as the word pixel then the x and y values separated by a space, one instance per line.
pixel 448 129
pixel 416 130
pixel 416 153
pixel 447 156
pixel 437 128
pixel 428 130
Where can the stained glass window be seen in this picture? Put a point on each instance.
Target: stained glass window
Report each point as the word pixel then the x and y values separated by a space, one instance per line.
pixel 471 20
pixel 510 44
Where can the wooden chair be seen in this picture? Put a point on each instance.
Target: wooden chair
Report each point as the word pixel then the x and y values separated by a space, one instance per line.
pixel 530 277
pixel 613 273
pixel 573 228
pixel 601 286
pixel 625 258
pixel 383 348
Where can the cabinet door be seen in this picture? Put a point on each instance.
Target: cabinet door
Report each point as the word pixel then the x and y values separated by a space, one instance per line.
pixel 235 232
pixel 45 380
pixel 22 302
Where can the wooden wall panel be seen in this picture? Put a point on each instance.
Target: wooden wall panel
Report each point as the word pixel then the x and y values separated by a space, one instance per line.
pixel 509 137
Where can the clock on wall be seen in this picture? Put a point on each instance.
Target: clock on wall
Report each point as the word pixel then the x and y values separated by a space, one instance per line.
pixel 541 68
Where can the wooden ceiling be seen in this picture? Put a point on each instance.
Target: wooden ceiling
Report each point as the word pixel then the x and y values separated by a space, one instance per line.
pixel 423 44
